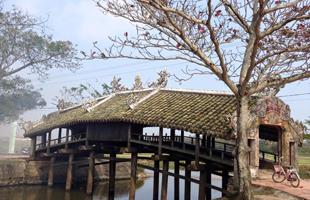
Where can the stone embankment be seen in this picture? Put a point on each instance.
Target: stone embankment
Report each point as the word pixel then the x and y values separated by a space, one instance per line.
pixel 24 171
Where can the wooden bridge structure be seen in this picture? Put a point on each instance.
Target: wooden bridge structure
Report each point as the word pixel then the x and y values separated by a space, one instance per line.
pixel 115 124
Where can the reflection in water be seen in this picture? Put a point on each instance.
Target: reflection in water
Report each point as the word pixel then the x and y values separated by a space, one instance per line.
pixel 144 191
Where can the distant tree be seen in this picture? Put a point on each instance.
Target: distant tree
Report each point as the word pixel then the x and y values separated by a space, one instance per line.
pixel 25 45
pixel 271 39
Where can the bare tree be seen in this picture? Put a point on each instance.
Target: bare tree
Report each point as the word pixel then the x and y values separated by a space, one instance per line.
pixel 271 40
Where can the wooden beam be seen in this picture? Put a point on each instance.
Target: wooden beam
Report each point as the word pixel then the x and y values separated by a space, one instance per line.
pixel 187 189
pixel 67 138
pixel 209 181
pixel 86 148
pixel 112 175
pixel 225 177
pixel 156 180
pixel 133 177
pixel 51 173
pixel 43 141
pixel 202 188
pixel 68 151
pixel 208 141
pixel 182 136
pixel 213 142
pixel 90 178
pixel 160 157
pixel 197 148
pixel 164 186
pixel 129 136
pixel 69 172
pixel 59 135
pixel 172 137
pixel 176 180
pixel 160 141
pixel 49 142
pixel 203 141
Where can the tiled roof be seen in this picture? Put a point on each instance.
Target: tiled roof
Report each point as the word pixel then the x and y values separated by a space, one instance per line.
pixel 202 112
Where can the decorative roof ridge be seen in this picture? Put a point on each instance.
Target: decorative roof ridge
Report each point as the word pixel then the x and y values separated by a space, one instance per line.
pixel 134 91
pixel 144 98
pixel 101 102
pixel 228 93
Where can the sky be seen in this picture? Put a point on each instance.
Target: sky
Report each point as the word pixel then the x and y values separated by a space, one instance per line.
pixel 81 22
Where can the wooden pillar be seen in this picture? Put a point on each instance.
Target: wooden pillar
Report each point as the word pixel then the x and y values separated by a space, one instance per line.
pixel 213 142
pixel 132 192
pixel 160 142
pixel 49 141
pixel 172 137
pixel 176 180
pixel 33 146
pixel 164 186
pixel 69 172
pixel 187 189
pixel 90 178
pixel 87 136
pixel 182 136
pixel 208 141
pixel 197 148
pixel 209 180
pixel 59 135
pixel 203 142
pixel 224 181
pixel 202 188
pixel 67 138
pixel 112 174
pixel 156 180
pixel 129 136
pixel 51 173
pixel 43 140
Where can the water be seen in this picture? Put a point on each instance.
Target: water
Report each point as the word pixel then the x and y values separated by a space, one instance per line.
pixel 144 191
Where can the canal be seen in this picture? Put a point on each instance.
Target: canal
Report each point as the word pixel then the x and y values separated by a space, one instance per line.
pixel 144 190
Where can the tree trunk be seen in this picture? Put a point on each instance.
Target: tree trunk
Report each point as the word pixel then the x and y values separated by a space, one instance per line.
pixel 242 150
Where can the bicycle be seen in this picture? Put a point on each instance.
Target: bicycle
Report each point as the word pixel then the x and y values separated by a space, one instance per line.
pixel 280 175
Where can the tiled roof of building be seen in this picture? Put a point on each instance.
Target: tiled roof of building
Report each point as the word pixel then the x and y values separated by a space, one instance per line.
pixel 202 112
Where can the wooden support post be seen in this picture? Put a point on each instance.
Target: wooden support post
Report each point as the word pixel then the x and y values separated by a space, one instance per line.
pixel 67 138
pixel 208 141
pixel 129 136
pixel 33 146
pixel 51 173
pixel 187 189
pixel 208 178
pixel 43 141
pixel 69 172
pixel 156 180
pixel 164 186
pixel 49 141
pixel 90 178
pixel 182 136
pixel 224 181
pixel 132 192
pixel 87 136
pixel 172 137
pixel 203 142
pixel 213 142
pixel 112 175
pixel 160 142
pixel 59 135
pixel 176 180
pixel 202 188
pixel 197 148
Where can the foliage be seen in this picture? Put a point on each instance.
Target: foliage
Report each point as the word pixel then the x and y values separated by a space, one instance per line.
pixel 16 97
pixel 25 45
pixel 270 38
pixel 77 95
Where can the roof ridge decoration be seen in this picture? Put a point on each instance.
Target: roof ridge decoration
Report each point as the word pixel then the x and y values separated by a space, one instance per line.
pixel 161 81
pixel 116 86
pixel 134 101
pixel 89 105
pixel 214 92
pixel 273 104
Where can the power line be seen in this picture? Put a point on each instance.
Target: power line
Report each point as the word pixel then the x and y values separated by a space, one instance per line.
pixel 292 95
pixel 110 75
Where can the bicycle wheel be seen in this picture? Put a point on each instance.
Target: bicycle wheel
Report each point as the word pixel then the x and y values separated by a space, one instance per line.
pixel 278 177
pixel 294 180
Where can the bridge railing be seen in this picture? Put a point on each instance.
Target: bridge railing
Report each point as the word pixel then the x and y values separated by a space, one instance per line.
pixel 265 155
pixel 61 140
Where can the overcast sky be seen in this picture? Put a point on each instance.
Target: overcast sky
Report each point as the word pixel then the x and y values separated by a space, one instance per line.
pixel 81 22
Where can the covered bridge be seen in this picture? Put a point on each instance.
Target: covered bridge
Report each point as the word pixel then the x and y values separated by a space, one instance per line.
pixel 120 122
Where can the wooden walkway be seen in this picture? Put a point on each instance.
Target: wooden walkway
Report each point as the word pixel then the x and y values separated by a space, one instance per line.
pixel 302 191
